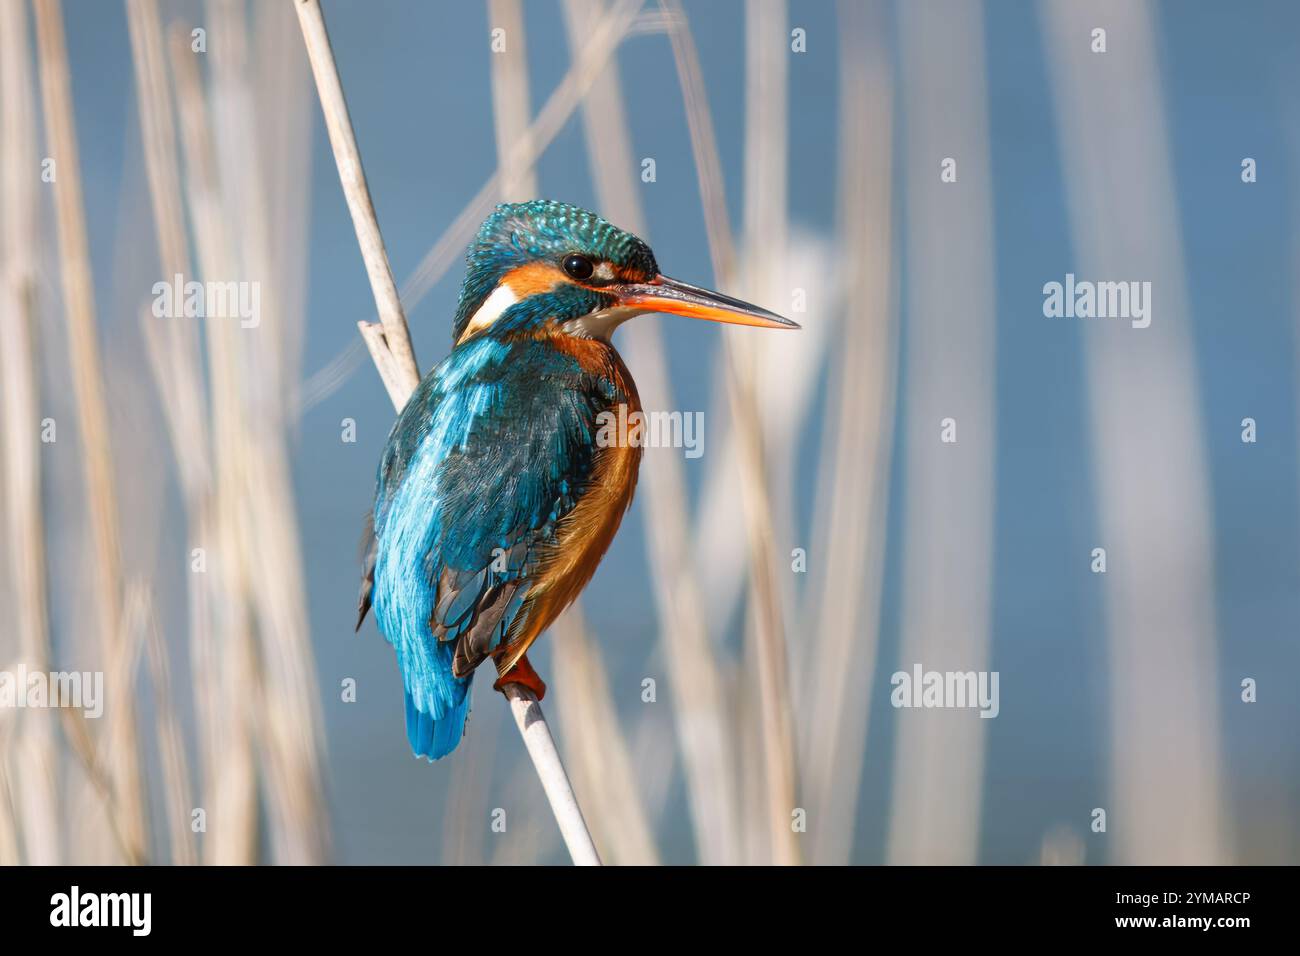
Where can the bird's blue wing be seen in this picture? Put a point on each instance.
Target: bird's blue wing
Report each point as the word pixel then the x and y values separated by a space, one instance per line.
pixel 490 453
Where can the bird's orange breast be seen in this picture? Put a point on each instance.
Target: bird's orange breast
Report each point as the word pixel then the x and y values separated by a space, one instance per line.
pixel 585 533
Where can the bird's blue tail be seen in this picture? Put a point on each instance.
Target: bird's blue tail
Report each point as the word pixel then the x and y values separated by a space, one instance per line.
pixel 435 737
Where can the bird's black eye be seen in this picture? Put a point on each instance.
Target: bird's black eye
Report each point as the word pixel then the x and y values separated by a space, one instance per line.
pixel 579 267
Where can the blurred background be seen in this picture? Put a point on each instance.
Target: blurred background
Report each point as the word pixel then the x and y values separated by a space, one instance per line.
pixel 183 498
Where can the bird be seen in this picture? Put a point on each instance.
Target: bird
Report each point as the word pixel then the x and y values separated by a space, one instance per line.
pixel 497 494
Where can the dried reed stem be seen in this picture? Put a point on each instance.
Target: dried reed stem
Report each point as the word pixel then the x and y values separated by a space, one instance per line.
pixel 36 799
pixel 767 628
pixel 523 705
pixel 91 404
pixel 100 782
pixel 11 853
pixel 846 607
pixel 284 115
pixel 97 762
pixel 400 371
pixel 510 109
pixel 1154 504
pixel 178 796
pixel 948 523
pixel 286 708
pixel 79 307
pixel 222 657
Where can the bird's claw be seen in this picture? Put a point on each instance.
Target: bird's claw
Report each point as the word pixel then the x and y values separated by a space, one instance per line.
pixel 522 673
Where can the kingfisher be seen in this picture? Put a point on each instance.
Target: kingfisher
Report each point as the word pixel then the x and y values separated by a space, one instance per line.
pixel 498 492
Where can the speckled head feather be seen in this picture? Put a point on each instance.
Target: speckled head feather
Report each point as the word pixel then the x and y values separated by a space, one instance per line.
pixel 542 229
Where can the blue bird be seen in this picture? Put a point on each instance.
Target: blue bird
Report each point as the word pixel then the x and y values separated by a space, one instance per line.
pixel 498 493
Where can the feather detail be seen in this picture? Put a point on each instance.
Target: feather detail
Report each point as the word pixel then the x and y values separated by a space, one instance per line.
pixel 582 540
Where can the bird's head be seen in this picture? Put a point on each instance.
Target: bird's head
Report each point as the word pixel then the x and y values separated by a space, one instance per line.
pixel 544 267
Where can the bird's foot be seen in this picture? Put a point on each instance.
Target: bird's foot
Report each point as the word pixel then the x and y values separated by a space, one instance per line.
pixel 522 673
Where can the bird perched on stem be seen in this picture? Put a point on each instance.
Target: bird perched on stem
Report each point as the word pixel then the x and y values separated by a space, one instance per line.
pixel 498 492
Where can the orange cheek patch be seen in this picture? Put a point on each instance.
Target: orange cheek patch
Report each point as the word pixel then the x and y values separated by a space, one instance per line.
pixel 532 279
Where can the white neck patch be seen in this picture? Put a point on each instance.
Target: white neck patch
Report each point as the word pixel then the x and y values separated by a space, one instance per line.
pixel 493 307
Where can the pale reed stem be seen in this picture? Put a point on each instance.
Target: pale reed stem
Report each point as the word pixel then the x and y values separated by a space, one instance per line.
pixel 766 628
pixel 222 658
pixel 36 787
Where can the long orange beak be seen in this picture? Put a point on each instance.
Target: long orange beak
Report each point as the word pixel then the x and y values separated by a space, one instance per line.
pixel 662 294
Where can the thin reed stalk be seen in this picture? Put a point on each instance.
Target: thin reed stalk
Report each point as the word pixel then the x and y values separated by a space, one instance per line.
pixel 846 606
pixel 10 848
pixel 951 373
pixel 283 113
pixel 79 310
pixel 286 708
pixel 11 853
pixel 397 365
pixel 767 630
pixel 36 797
pixel 177 790
pixel 404 377
pixel 97 761
pixel 1168 803
pixel 222 658
pixel 766 138
pixel 510 109
pixel 91 404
